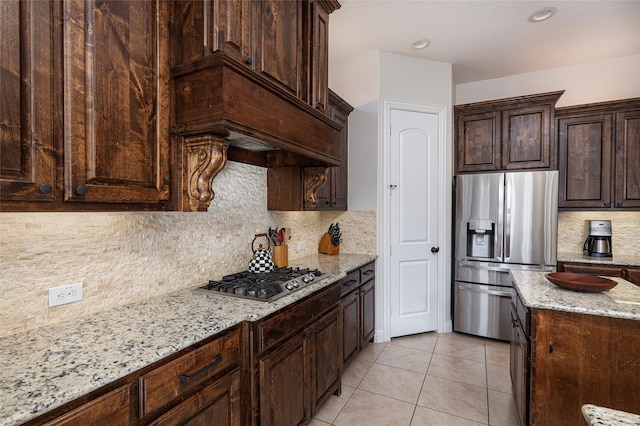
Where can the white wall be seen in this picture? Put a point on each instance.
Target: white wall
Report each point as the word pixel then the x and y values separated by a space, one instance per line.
pixel 586 83
pixel 366 82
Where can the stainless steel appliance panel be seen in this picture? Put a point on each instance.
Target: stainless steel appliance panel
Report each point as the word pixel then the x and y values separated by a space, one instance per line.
pixel 479 198
pixel 530 218
pixel 482 272
pixel 482 310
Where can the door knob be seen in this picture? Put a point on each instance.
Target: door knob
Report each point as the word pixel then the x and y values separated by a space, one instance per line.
pixel 434 250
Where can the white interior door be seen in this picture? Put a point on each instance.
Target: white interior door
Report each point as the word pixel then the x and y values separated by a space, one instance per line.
pixel 414 170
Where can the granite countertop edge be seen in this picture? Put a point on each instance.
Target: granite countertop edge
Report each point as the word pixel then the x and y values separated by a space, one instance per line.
pixel 44 368
pixel 536 291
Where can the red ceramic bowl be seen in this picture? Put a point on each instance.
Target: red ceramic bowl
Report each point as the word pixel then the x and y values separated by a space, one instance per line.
pixel 581 282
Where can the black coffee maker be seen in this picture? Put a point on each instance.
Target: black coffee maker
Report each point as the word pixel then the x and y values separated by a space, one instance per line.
pixel 598 243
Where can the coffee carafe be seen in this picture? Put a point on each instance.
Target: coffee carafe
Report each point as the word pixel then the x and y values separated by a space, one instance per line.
pixel 598 243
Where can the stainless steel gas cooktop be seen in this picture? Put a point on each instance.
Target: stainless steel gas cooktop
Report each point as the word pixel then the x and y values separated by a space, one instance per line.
pixel 264 287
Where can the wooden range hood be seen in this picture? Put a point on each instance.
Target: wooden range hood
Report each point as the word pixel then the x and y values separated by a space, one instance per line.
pixel 223 110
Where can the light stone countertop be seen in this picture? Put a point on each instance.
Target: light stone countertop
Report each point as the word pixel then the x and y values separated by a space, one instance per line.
pixel 616 259
pixel 602 416
pixel 536 291
pixel 47 367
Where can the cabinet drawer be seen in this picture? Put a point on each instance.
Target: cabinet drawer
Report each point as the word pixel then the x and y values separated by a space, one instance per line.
pixel 367 272
pixel 170 381
pixel 217 403
pixel 276 328
pixel 111 409
pixel 608 270
pixel 632 275
pixel 350 282
pixel 524 314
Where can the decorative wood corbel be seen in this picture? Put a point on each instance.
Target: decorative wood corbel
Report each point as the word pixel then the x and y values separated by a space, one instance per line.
pixel 205 156
pixel 314 178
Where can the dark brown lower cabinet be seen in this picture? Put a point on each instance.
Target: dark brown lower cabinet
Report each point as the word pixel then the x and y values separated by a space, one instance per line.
pixel 519 366
pixel 216 404
pixel 298 376
pixel 367 303
pixel 575 359
pixel 197 386
pixel 629 273
pixel 358 310
pixel 284 377
pixel 351 325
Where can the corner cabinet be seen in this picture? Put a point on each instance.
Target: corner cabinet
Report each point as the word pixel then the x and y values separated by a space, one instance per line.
pixel 599 155
pixel 85 87
pixel 506 134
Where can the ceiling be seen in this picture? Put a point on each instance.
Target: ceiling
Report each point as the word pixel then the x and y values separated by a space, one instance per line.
pixel 488 39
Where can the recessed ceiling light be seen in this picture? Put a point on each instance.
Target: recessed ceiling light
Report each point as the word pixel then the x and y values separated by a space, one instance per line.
pixel 542 14
pixel 421 44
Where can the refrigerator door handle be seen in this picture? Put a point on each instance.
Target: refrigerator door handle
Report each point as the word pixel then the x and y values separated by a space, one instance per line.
pixel 507 216
pixel 499 238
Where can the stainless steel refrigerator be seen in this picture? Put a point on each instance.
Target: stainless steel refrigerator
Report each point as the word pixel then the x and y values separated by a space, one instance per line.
pixel 503 221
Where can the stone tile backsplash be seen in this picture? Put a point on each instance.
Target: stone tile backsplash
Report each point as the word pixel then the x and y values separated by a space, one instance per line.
pixel 126 257
pixel 625 230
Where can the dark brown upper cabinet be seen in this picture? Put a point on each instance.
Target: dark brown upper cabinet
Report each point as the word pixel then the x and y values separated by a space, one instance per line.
pixel 627 157
pixel 250 80
pixel 294 185
pixel 85 89
pixel 116 104
pixel 277 43
pixel 334 193
pixel 506 134
pixel 599 155
pixel 27 135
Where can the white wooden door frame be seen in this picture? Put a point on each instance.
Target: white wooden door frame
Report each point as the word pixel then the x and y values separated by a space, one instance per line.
pixel 383 213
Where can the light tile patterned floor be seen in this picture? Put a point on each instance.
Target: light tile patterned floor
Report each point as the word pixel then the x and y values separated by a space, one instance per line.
pixel 426 379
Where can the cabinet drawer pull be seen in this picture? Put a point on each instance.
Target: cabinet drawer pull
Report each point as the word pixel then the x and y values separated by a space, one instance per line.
pixel 82 190
pixel 368 272
pixel 350 283
pixel 217 360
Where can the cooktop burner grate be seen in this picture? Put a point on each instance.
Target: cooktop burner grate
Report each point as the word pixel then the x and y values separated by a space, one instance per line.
pixel 265 287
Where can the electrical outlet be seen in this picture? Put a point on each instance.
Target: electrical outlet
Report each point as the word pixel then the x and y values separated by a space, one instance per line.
pixel 302 245
pixel 65 294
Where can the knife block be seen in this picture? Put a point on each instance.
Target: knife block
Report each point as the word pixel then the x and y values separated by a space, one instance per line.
pixel 326 247
pixel 281 256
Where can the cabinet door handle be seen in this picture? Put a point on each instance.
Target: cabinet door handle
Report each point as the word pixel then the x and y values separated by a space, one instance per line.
pixel 248 61
pixel 186 377
pixel 82 190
